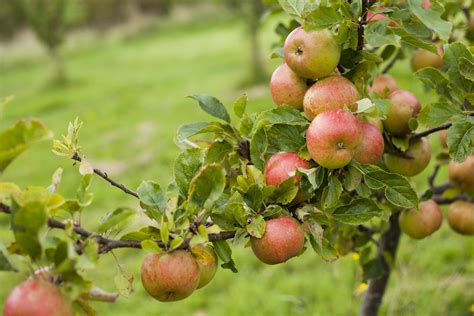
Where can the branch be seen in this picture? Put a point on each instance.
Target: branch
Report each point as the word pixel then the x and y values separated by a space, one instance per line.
pixel 104 176
pixel 97 294
pixel 362 22
pixel 392 62
pixel 432 177
pixel 431 131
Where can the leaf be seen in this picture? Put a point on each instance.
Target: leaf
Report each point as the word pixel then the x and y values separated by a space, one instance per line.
pixel 206 187
pixel 332 192
pixel 453 53
pixel 5 264
pixel 466 68
pixel 175 243
pixel 436 80
pixel 55 180
pixel 377 34
pixel 435 114
pixel 85 167
pixel 7 189
pixel 239 105
pixel 124 281
pixel 292 7
pixel 152 196
pixel 461 138
pixel 186 166
pixel 285 192
pixel 212 106
pixel 352 178
pixel 150 246
pixel 431 18
pixel 164 233
pixel 357 212
pixel 315 176
pixel 323 17
pixel 218 151
pixel 223 250
pixel 116 218
pixel 256 227
pixel 372 270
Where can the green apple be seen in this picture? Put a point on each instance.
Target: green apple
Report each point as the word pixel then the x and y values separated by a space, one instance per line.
pixel 421 223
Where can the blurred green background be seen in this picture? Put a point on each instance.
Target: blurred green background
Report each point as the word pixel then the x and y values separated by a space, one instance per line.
pixel 127 80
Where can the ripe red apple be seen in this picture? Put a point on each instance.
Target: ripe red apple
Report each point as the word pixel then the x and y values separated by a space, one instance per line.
pixel 384 85
pixel 207 261
pixel 461 217
pixel 403 106
pixel 420 152
pixel 330 93
pixel 312 55
pixel 283 239
pixel 170 276
pixel 37 298
pixel 422 58
pixel 287 88
pixel 421 223
pixel 371 147
pixel 280 165
pixel 461 174
pixel 332 138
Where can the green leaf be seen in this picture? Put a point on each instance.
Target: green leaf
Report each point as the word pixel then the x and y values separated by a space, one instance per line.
pixel 461 138
pixel 223 250
pixel 332 192
pixel 435 114
pixel 378 34
pixel 152 196
pixel 372 270
pixel 175 243
pixel 357 212
pixel 116 219
pixel 435 79
pixel 206 187
pixel 217 152
pixel 212 106
pixel 256 227
pixel 150 246
pixel 285 192
pixel 124 281
pixel 431 18
pixel 186 165
pixel 239 106
pixel 466 68
pixel 352 178
pixel 323 17
pixel 315 176
pixel 5 264
pixel 453 53
pixel 164 233
pixel 293 7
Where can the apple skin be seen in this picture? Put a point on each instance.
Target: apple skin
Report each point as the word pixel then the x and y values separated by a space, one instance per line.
pixel 461 217
pixel 373 17
pixel 283 239
pixel 279 166
pixel 419 149
pixel 384 85
pixel 330 93
pixel 170 276
pixel 311 55
pixel 426 4
pixel 443 138
pixel 332 138
pixel 37 298
pixel 422 223
pixel 403 106
pixel 422 58
pixel 287 88
pixel 207 261
pixel 461 174
pixel 375 121
pixel 370 149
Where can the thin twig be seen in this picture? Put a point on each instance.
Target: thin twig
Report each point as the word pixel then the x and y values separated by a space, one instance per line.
pixel 432 177
pixel 392 62
pixel 362 22
pixel 431 131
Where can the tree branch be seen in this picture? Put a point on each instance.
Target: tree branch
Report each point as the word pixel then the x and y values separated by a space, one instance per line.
pixel 392 62
pixel 362 22
pixel 431 131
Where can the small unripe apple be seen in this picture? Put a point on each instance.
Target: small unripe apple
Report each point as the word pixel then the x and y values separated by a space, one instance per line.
pixel 207 261
pixel 287 88
pixel 443 138
pixel 371 147
pixel 461 174
pixel 311 55
pixel 426 4
pixel 37 298
pixel 330 93
pixel 170 276
pixel 283 239
pixel 421 223
pixel 403 106
pixel 419 151
pixel 281 166
pixel 375 121
pixel 461 217
pixel 422 58
pixel 384 85
pixel 332 138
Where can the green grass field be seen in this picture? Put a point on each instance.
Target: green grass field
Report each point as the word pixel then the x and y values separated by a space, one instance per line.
pixel 130 93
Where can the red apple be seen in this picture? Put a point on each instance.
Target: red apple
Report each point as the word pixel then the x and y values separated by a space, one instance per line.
pixel 333 137
pixel 461 174
pixel 403 106
pixel 330 93
pixel 421 223
pixel 384 85
pixel 461 217
pixel 426 4
pixel 371 147
pixel 312 55
pixel 422 58
pixel 170 276
pixel 287 88
pixel 207 261
pixel 283 239
pixel 373 16
pixel 281 166
pixel 419 151
pixel 37 298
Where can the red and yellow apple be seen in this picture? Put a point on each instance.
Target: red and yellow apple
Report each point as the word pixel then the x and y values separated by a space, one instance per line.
pixel 418 156
pixel 282 166
pixel 421 223
pixel 207 261
pixel 403 106
pixel 461 217
pixel 422 58
pixel 461 174
pixel 370 149
pixel 287 88
pixel 384 85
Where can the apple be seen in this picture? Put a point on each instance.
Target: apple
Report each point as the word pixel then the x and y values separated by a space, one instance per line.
pixel 36 297
pixel 461 217
pixel 375 121
pixel 207 261
pixel 403 106
pixel 461 174
pixel 371 147
pixel 333 137
pixel 373 16
pixel 283 239
pixel 170 276
pixel 384 85
pixel 311 55
pixel 421 223
pixel 330 93
pixel 281 166
pixel 419 151
pixel 426 4
pixel 287 88
pixel 422 58
pixel 443 138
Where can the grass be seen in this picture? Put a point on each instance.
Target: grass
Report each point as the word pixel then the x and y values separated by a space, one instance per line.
pixel 130 93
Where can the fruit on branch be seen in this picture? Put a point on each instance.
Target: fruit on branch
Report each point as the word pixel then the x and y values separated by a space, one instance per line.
pixel 426 4
pixel 461 217
pixel 443 138
pixel 283 239
pixel 373 17
pixel 371 147
pixel 330 93
pixel 207 261
pixel 333 137
pixel 384 85
pixel 421 223
pixel 312 55
pixel 375 121
pixel 170 276
pixel 422 58
pixel 418 156
pixel 37 298
pixel 403 106
pixel 287 88
pixel 282 166
pixel 461 174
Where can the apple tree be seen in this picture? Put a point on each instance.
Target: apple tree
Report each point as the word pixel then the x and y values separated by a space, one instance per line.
pixel 328 168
